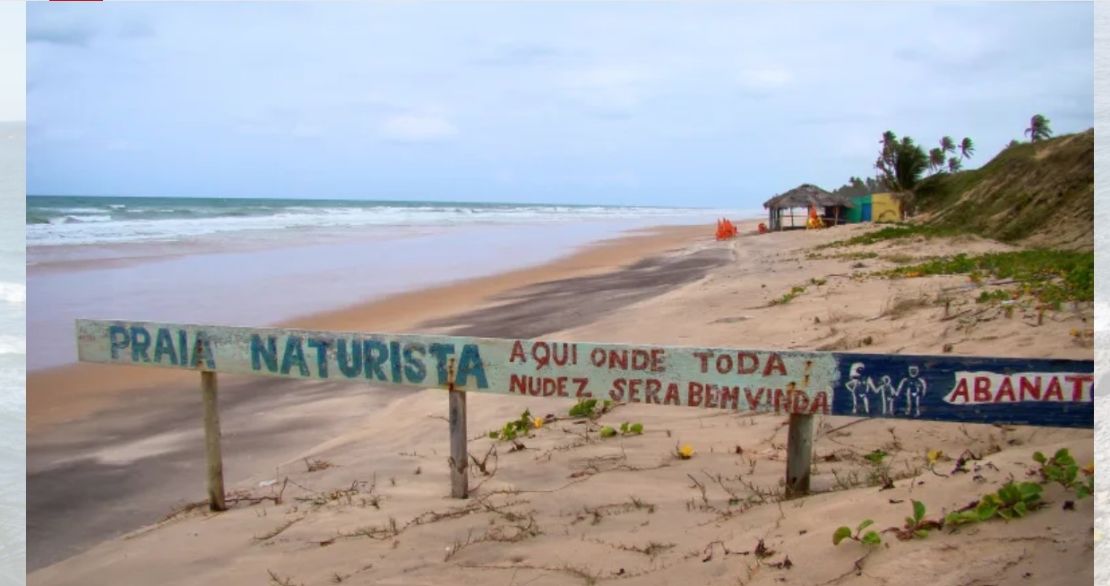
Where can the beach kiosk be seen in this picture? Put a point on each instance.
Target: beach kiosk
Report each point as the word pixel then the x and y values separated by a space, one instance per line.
pixel 834 209
pixel 885 207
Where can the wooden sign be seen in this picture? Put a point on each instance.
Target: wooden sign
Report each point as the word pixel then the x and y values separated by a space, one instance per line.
pixel 940 388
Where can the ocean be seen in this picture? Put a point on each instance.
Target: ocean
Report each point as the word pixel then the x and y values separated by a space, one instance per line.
pixel 257 262
pixel 68 220
pixel 13 465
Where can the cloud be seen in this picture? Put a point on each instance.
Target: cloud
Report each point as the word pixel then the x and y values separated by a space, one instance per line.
pixel 75 33
pixel 417 128
pixel 80 32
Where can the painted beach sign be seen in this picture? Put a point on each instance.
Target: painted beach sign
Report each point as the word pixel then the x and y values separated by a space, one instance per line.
pixel 1045 392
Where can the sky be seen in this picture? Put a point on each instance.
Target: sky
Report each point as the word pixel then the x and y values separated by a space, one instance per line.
pixel 691 104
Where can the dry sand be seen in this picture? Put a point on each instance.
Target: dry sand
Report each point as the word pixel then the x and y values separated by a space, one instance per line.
pixel 570 508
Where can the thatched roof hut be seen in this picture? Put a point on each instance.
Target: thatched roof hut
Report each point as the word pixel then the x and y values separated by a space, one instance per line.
pixel 833 207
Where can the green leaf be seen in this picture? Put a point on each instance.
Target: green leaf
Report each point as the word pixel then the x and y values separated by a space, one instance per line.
pixel 864 524
pixel 636 428
pixel 1062 456
pixel 624 427
pixel 608 431
pixel 1019 509
pixel 921 534
pixel 1069 473
pixel 986 511
pixel 918 510
pixel 872 538
pixel 841 534
pixel 875 457
pixel 583 408
pixel 1039 458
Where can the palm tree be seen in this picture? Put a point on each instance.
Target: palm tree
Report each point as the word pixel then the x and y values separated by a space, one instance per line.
pixel 936 159
pixel 967 148
pixel 1038 128
pixel 953 164
pixel 947 145
pixel 888 139
pixel 901 164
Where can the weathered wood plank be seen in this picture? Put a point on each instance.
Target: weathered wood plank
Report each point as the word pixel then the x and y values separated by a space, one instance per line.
pixel 460 481
pixel 799 454
pixel 212 450
pixel 941 388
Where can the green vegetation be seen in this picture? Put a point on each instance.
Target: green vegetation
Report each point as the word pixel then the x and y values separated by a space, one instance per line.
pixel 632 428
pixel 875 457
pixel 625 429
pixel 788 297
pixel 869 538
pixel 936 159
pixel 992 296
pixel 1013 500
pixel 1062 469
pixel 1052 276
pixel 947 145
pixel 515 428
pixel 1044 188
pixel 1039 128
pixel 967 148
pixel 892 232
pixel 901 163
pixel 917 526
pixel 588 408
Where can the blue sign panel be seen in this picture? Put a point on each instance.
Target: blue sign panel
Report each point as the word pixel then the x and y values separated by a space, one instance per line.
pixel 966 389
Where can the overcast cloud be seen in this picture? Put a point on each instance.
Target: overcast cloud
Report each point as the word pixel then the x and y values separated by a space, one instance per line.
pixel 706 104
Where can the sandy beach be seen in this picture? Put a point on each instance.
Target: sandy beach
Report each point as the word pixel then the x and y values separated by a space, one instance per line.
pixel 114 452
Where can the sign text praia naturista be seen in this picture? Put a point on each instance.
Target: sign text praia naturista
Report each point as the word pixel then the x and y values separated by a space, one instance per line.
pixel 946 388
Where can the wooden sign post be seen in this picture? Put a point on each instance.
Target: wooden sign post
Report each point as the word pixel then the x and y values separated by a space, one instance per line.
pixel 799 384
pixel 213 455
pixel 460 483
pixel 799 454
